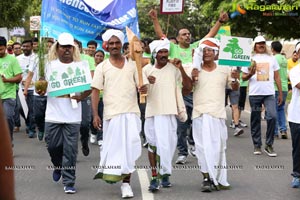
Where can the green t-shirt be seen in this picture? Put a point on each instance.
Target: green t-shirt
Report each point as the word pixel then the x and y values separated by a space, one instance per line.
pixel 9 67
pixel 282 62
pixel 90 59
pixel 185 55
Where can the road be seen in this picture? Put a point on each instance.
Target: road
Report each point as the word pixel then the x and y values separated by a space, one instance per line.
pixel 251 176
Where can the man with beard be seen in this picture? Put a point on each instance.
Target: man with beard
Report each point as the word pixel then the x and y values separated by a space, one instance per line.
pixel 118 78
pixel 164 103
pixel 27 60
pixel 261 78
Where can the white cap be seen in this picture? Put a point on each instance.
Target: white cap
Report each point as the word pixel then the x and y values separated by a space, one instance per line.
pixel 297 47
pixel 65 39
pixel 259 39
pixel 212 43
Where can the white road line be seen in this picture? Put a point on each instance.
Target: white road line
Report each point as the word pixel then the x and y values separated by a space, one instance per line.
pixel 144 182
pixel 247 111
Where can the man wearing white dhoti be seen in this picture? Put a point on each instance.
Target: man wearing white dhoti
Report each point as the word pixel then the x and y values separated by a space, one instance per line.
pixel 209 114
pixel 164 102
pixel 118 78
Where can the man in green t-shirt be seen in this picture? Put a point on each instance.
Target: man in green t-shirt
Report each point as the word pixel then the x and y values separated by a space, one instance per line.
pixel 276 48
pixel 11 74
pixel 184 51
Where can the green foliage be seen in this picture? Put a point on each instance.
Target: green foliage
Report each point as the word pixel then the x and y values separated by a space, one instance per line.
pixel 200 15
pixel 12 12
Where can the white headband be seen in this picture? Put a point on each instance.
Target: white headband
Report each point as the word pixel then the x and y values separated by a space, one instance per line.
pixel 113 32
pixel 297 47
pixel 157 45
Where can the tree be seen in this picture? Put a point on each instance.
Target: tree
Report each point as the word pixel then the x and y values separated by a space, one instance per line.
pixel 12 12
pixel 200 15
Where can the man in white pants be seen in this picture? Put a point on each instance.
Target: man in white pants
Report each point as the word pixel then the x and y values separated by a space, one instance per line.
pixel 118 78
pixel 164 102
pixel 209 115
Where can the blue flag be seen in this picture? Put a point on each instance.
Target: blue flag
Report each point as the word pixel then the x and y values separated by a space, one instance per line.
pixel 87 19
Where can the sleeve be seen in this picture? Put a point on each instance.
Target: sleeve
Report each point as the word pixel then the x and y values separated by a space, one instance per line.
pixel 98 79
pixel 91 61
pixel 275 64
pixel 16 67
pixel 294 76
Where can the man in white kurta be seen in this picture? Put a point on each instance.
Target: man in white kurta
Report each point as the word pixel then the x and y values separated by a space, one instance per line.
pixel 161 109
pixel 209 115
pixel 118 78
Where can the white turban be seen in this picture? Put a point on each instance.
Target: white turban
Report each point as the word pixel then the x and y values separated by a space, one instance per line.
pixel 157 45
pixel 113 32
pixel 297 47
pixel 198 52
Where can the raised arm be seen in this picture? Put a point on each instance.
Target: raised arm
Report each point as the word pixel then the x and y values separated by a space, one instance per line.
pixel 157 28
pixel 214 30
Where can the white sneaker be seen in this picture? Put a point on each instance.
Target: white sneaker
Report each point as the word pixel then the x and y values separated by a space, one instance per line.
pixel 192 151
pixel 181 160
pixel 100 142
pixel 232 124
pixel 93 138
pixel 126 191
pixel 238 131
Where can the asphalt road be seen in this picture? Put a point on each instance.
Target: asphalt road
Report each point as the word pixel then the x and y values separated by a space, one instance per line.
pixel 251 176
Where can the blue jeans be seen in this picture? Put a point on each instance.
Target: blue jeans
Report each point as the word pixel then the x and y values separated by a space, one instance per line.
pixel 39 110
pixel 85 121
pixel 30 116
pixel 183 127
pixel 295 133
pixel 94 131
pixel 281 121
pixel 256 103
pixel 9 111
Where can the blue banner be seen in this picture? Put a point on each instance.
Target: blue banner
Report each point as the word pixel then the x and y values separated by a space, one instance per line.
pixel 87 19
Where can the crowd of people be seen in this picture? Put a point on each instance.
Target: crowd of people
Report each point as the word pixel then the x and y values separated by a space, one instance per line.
pixel 177 77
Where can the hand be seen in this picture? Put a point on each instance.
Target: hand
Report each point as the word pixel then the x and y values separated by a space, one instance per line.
pixel 279 102
pixel 40 92
pixel 223 17
pixel 25 92
pixel 195 74
pixel 4 80
pixel 97 122
pixel 252 69
pixel 153 14
pixel 235 74
pixel 143 89
pixel 151 79
pixel 77 98
pixel 176 62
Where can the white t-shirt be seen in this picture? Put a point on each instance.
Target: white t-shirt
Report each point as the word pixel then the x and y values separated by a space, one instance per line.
pixel 119 88
pixel 294 106
pixel 262 82
pixel 209 92
pixel 161 99
pixel 27 62
pixel 60 110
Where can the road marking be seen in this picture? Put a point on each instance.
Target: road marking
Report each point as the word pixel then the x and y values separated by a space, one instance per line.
pixel 144 182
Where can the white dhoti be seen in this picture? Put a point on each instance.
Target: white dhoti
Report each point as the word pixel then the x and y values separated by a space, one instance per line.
pixel 121 147
pixel 161 134
pixel 210 136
